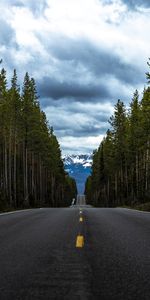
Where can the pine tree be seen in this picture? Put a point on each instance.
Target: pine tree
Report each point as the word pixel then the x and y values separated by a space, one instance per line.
pixel 134 140
pixel 31 168
pixel 3 139
pixel 145 143
pixel 148 74
pixel 14 103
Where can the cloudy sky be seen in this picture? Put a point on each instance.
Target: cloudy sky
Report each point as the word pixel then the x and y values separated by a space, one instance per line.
pixel 83 54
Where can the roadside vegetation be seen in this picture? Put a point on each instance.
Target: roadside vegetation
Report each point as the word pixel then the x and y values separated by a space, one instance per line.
pixel 31 168
pixel 121 165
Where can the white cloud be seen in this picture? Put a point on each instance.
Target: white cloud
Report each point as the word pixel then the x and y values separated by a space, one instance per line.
pixel 39 28
pixel 80 145
pixel 78 126
pixel 76 116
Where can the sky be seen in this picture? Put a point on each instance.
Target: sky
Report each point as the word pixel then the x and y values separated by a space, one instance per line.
pixel 84 56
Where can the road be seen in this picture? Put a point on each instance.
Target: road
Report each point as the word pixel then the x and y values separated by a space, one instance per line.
pixel 39 258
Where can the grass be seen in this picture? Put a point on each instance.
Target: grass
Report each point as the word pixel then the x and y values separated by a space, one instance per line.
pixel 139 206
pixel 142 206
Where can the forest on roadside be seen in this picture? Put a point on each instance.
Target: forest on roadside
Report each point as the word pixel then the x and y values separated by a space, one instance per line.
pixel 31 168
pixel 121 164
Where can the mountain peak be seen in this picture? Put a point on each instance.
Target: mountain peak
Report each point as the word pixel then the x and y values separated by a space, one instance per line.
pixel 82 159
pixel 78 167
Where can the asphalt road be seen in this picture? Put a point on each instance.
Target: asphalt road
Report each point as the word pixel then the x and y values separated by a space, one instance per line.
pixel 39 258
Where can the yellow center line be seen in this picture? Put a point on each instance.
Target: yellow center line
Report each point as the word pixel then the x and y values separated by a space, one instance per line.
pixel 80 241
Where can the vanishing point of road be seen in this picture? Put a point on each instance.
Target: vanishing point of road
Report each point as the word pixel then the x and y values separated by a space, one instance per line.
pixel 75 253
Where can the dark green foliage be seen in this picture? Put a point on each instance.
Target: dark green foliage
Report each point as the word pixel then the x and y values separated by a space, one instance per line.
pixel 31 168
pixel 70 190
pixel 148 74
pixel 121 165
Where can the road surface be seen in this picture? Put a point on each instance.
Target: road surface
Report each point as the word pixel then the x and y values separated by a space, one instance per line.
pixel 81 200
pixel 40 258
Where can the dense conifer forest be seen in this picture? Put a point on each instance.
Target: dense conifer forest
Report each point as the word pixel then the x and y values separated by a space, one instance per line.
pixel 121 165
pixel 31 168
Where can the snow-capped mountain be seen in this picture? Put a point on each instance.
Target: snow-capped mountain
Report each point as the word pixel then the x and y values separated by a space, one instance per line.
pixel 78 167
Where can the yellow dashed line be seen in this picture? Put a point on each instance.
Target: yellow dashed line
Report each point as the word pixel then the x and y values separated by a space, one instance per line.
pixel 80 241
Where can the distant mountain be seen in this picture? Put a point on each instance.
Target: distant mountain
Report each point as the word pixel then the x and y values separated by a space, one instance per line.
pixel 78 167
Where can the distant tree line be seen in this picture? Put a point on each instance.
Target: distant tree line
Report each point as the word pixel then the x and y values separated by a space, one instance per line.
pixel 121 165
pixel 31 168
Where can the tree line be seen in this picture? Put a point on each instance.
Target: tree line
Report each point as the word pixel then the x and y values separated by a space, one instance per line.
pixel 31 168
pixel 121 165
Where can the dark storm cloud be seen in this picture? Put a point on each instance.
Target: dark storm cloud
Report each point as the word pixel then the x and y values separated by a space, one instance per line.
pixel 85 76
pixel 107 1
pixel 50 87
pixel 7 35
pixel 7 43
pixel 78 119
pixel 91 127
pixel 83 132
pixel 134 4
pixel 77 59
pixel 14 2
pixel 37 7
pixel 97 61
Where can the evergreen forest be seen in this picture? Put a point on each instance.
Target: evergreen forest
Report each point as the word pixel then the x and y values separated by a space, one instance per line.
pixel 31 168
pixel 121 164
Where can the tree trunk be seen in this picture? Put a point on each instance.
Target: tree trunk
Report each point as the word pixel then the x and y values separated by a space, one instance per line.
pixel 116 188
pixel 26 176
pixel 126 177
pixel 32 177
pixel 40 183
pixel 9 167
pixel 52 189
pixel 108 191
pixel 137 175
pixel 15 177
pixel 5 167
pixel 147 167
